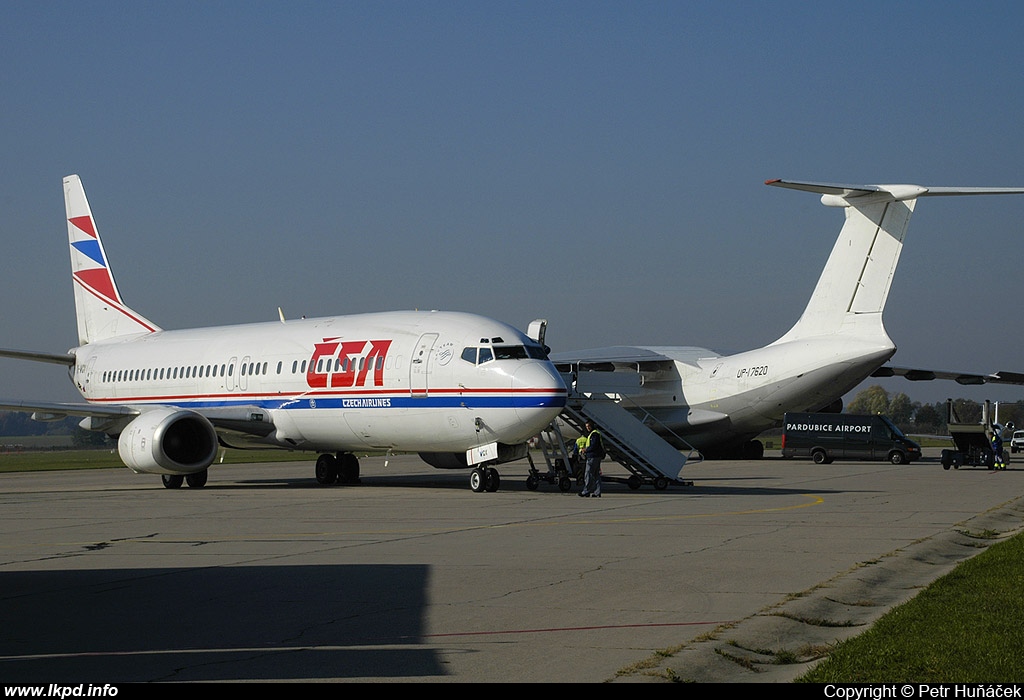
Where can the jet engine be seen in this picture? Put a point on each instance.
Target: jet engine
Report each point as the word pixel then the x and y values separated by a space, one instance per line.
pixel 168 441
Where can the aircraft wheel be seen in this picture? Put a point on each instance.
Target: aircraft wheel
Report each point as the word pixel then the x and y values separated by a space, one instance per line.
pixel 532 482
pixel 492 479
pixel 754 449
pixel 661 483
pixel 348 472
pixel 565 484
pixel 172 481
pixel 634 482
pixel 477 482
pixel 326 469
pixel 197 480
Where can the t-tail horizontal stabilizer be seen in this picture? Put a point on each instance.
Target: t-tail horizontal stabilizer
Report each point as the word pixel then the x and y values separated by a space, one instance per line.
pixel 852 290
pixel 841 195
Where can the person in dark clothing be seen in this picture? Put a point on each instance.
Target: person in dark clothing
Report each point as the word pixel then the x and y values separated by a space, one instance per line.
pixel 593 453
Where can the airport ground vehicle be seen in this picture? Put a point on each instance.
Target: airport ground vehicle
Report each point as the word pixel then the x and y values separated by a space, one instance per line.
pixel 1017 442
pixel 825 437
pixel 972 441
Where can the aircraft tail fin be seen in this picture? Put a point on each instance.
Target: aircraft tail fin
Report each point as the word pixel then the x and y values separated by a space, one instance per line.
pixel 853 287
pixel 100 311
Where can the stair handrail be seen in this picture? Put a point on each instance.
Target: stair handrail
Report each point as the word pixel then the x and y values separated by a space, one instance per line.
pixel 693 454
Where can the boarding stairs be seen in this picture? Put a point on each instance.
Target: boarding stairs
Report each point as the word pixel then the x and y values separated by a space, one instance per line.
pixel 629 440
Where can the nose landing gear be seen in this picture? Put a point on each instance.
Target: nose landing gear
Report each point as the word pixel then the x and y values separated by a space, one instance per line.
pixel 484 479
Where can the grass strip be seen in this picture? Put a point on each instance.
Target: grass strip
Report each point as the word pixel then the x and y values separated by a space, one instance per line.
pixel 35 461
pixel 964 628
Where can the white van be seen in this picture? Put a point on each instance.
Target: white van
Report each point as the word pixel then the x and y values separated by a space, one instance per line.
pixel 1017 442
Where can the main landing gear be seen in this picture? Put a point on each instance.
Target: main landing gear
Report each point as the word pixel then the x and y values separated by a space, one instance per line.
pixel 194 481
pixel 484 479
pixel 342 468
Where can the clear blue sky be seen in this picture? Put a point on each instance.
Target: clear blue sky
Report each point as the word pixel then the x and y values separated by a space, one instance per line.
pixel 599 164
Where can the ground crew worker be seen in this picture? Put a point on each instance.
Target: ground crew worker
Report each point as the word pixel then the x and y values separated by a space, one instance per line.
pixel 594 453
pixel 998 460
pixel 579 461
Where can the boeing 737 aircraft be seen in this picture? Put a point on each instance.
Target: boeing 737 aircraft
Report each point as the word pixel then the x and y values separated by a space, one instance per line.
pixel 719 404
pixel 460 389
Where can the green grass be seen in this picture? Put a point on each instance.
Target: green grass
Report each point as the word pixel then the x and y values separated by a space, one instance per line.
pixel 965 627
pixel 36 461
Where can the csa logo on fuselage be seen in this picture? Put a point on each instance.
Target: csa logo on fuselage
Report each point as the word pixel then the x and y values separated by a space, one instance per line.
pixel 445 353
pixel 347 363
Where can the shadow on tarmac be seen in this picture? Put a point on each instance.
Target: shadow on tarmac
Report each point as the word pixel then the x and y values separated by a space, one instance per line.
pixel 212 624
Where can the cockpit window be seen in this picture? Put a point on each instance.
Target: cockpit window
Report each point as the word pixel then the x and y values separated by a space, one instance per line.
pixel 510 352
pixel 503 352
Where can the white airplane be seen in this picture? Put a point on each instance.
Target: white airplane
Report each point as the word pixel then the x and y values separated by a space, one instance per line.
pixel 460 389
pixel 719 404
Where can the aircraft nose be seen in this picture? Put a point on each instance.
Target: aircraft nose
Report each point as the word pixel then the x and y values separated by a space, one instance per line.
pixel 539 393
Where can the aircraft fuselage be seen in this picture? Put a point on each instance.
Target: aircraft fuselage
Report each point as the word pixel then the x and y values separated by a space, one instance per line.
pixel 410 381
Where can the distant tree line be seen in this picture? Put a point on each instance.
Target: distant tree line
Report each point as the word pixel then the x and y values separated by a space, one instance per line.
pixel 925 418
pixel 15 424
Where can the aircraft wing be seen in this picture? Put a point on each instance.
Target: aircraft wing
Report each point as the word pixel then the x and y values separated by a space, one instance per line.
pixel 247 420
pixel 618 353
pixel 56 410
pixel 967 378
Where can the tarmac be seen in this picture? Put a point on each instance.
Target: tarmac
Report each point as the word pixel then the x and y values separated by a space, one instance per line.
pixel 749 575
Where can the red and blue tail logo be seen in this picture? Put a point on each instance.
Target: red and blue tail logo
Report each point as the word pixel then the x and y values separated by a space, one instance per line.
pixel 96 279
pixel 101 313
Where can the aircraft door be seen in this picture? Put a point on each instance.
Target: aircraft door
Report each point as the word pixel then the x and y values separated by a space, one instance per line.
pixel 419 367
pixel 243 373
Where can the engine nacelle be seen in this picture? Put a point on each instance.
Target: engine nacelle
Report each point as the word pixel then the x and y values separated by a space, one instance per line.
pixel 168 441
pixel 457 460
